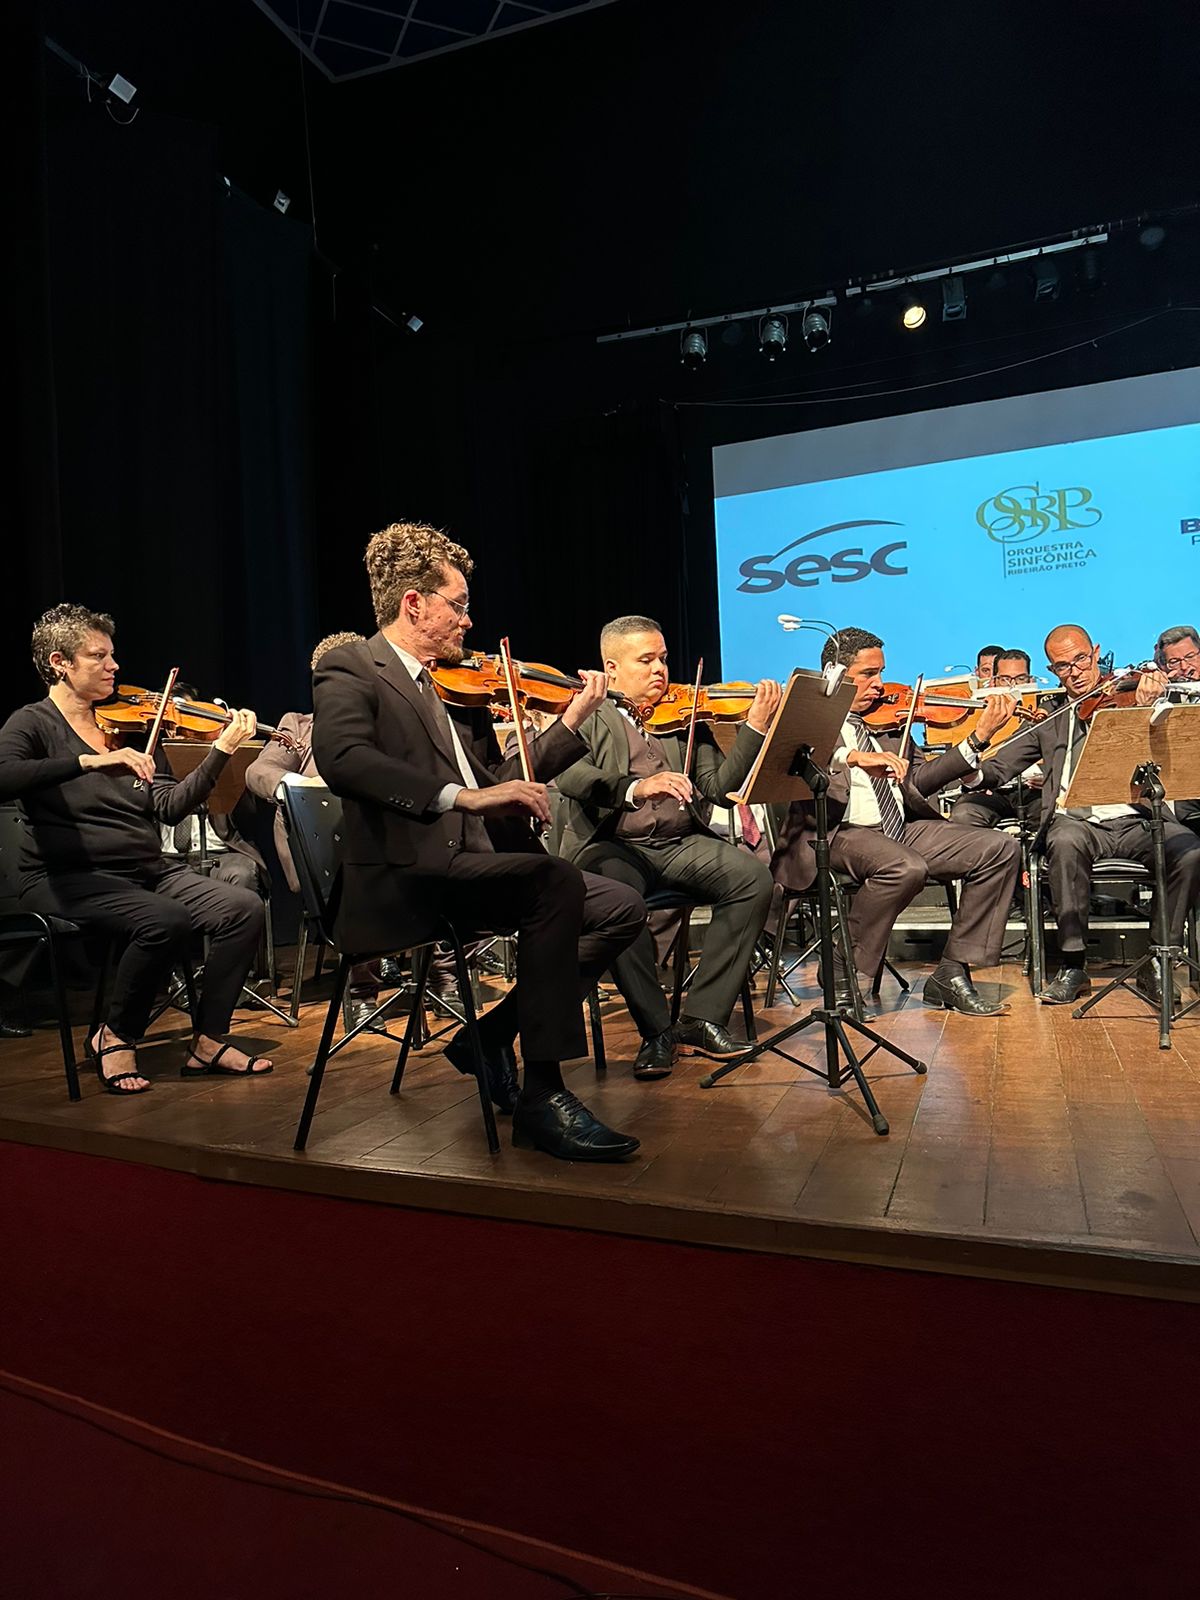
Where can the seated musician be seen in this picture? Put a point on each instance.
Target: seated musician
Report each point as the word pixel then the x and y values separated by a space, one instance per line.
pixel 437 825
pixel 885 834
pixel 985 662
pixel 92 851
pixel 1177 654
pixel 984 808
pixel 633 816
pixel 1076 838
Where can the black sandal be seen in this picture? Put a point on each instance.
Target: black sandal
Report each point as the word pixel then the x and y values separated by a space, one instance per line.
pixel 110 1084
pixel 211 1069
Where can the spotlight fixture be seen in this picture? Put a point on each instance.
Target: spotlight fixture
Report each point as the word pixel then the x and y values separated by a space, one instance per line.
pixel 1091 276
pixel 693 348
pixel 281 202
pixel 913 313
pixel 954 299
pixel 1046 281
pixel 816 328
pixel 1152 236
pixel 773 335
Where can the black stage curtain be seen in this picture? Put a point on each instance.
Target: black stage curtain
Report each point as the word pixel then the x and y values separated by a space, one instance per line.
pixel 166 356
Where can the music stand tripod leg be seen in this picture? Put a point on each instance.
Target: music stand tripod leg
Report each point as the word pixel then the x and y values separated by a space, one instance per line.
pixel 828 1015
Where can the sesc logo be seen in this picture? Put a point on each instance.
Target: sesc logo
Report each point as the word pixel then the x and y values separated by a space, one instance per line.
pixel 805 571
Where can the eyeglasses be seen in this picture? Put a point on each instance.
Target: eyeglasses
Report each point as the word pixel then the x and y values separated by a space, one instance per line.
pixel 1061 668
pixel 460 606
pixel 1185 663
pixel 1012 678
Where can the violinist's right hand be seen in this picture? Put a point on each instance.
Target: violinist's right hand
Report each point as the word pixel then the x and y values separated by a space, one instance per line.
pixel 672 783
pixel 135 761
pixel 881 761
pixel 515 799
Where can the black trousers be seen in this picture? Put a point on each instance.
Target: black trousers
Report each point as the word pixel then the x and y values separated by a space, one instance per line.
pixel 983 810
pixel 570 927
pixel 1074 843
pixel 160 908
pixel 893 874
pixel 712 872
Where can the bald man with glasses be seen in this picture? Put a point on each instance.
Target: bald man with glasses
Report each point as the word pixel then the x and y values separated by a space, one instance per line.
pixel 1073 840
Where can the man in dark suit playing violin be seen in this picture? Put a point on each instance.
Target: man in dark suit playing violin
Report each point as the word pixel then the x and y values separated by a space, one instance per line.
pixel 1074 839
pixel 633 815
pixel 885 833
pixel 435 826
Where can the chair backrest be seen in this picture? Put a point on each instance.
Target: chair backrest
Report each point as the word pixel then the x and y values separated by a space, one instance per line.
pixel 12 833
pixel 313 817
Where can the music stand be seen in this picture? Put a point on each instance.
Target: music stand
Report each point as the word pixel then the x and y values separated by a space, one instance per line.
pixel 183 757
pixel 791 765
pixel 1149 754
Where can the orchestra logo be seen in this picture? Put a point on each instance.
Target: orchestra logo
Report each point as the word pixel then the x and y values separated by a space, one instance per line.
pixel 1025 513
pixel 763 574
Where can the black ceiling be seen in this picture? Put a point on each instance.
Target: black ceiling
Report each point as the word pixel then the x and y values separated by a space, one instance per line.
pixel 350 39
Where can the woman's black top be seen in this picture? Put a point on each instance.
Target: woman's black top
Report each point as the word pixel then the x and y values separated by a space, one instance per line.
pixel 88 819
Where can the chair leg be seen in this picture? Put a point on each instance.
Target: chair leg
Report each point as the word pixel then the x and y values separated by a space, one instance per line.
pixel 599 1057
pixel 64 1019
pixel 269 946
pixel 682 940
pixel 298 973
pixel 1036 926
pixel 319 962
pixel 189 986
pixel 414 1030
pixel 748 1013
pixel 322 1055
pixel 777 949
pixel 888 967
pixel 471 1020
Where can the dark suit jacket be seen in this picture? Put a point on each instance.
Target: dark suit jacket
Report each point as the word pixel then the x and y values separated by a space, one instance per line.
pixel 267 770
pixel 377 745
pixel 594 788
pixel 795 864
pixel 1045 742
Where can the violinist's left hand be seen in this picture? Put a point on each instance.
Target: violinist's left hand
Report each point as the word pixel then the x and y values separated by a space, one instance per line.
pixel 1150 686
pixel 764 705
pixel 243 726
pixel 590 698
pixel 998 710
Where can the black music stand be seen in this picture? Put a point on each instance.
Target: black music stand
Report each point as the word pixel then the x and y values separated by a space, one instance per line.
pixel 183 757
pixel 791 766
pixel 1162 747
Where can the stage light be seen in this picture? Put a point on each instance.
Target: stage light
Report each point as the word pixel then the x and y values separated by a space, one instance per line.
pixel 1046 282
pixel 693 348
pixel 1091 275
pixel 817 328
pixel 913 315
pixel 1152 236
pixel 954 299
pixel 773 336
pixel 282 202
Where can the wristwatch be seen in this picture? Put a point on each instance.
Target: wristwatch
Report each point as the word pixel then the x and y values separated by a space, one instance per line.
pixel 977 744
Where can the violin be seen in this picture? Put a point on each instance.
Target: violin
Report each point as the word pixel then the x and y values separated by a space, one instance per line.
pixel 477 681
pixel 684 704
pixel 1118 690
pixel 132 711
pixel 949 711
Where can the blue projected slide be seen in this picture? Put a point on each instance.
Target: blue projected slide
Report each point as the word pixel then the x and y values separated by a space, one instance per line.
pixel 906 526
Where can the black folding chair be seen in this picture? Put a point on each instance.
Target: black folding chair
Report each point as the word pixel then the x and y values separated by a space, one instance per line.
pixel 314 822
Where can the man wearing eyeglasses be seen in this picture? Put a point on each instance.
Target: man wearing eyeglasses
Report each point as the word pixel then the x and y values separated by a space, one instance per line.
pixel 984 808
pixel 437 824
pixel 1177 653
pixel 1077 838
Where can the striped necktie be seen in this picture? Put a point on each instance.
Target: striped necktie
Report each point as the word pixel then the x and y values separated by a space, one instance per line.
pixel 891 815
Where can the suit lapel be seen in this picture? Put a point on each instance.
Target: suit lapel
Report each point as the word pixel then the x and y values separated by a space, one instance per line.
pixel 397 676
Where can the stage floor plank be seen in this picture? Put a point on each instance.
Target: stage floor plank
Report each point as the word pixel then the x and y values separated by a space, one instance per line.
pixel 1038 1147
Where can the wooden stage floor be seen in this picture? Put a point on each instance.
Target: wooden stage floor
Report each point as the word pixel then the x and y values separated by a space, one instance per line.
pixel 1038 1147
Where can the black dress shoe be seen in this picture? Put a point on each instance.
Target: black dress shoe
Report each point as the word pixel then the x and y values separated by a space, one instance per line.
pixel 1067 984
pixel 356 1010
pixel 562 1126
pixel 391 972
pixel 960 994
pixel 655 1057
pixel 1147 983
pixel 844 995
pixel 501 1064
pixel 14 1030
pixel 695 1037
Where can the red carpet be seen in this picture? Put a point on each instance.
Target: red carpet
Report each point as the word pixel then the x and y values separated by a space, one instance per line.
pixel 751 1425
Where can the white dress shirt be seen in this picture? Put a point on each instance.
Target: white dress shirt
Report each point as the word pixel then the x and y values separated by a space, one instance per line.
pixel 446 796
pixel 863 808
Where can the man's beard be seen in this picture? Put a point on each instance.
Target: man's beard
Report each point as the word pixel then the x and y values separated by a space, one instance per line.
pixel 453 655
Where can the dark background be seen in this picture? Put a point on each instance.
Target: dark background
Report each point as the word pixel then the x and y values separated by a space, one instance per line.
pixel 215 411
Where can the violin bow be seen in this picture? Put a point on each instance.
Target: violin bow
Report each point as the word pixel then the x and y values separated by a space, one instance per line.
pixel 156 725
pixel 510 682
pixel 691 738
pixel 912 711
